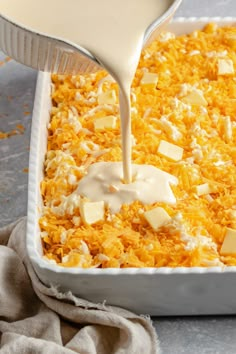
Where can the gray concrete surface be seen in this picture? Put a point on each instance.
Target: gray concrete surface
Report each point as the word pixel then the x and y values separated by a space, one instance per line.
pixel 198 335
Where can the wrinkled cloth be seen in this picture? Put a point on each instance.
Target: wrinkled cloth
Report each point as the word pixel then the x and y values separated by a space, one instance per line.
pixel 38 319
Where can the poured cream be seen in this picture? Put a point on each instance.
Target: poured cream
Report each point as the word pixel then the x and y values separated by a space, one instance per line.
pixel 113 31
pixel 104 182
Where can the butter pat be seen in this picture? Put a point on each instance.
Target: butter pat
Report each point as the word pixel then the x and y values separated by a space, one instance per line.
pixel 229 244
pixel 108 97
pixel 149 79
pixel 105 123
pixel 156 217
pixel 92 212
pixel 171 151
pixel 225 67
pixel 203 189
pixel 195 97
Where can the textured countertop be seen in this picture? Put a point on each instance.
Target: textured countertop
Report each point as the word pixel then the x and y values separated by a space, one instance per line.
pixel 202 335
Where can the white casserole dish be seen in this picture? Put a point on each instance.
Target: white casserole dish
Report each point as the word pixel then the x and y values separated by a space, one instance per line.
pixel 156 291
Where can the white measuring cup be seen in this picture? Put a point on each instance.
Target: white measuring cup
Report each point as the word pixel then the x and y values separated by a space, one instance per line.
pixel 55 55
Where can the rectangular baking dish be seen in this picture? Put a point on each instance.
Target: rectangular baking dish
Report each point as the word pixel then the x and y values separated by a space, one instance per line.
pixel 156 291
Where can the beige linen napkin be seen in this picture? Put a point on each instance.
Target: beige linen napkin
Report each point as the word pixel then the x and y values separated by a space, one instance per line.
pixel 37 319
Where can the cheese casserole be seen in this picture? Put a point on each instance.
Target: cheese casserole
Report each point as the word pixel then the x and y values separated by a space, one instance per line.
pixel 183 122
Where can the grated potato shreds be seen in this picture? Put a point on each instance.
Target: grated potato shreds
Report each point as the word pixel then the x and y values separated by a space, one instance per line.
pixel 193 107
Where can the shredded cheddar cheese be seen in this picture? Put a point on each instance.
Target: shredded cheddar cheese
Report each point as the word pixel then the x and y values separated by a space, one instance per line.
pixel 19 130
pixel 191 106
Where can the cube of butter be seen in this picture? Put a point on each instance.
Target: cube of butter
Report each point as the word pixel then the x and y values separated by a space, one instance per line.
pixel 156 217
pixel 171 151
pixel 92 212
pixel 195 97
pixel 108 97
pixel 149 79
pixel 105 123
pixel 225 67
pixel 229 244
pixel 203 189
